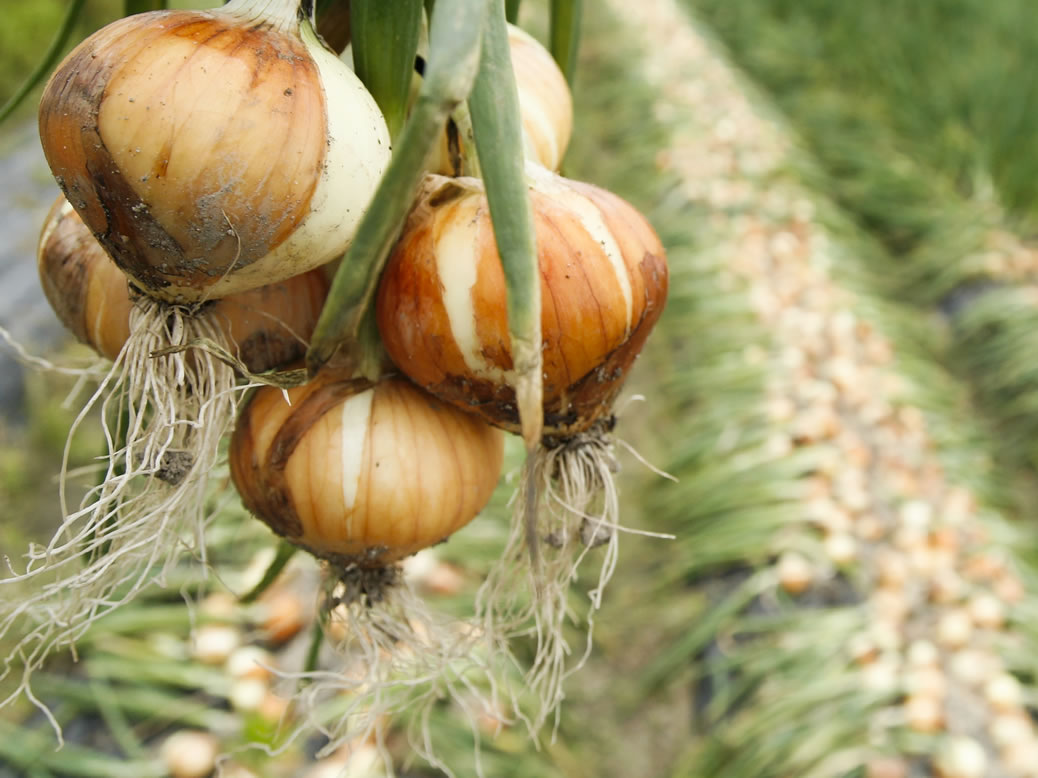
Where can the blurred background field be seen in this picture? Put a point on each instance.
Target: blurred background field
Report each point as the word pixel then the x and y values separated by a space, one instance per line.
pixel 843 385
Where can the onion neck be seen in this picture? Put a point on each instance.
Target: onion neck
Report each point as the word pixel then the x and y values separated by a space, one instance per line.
pixel 279 15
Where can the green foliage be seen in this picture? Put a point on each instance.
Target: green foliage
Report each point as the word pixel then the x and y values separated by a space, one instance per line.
pixel 915 110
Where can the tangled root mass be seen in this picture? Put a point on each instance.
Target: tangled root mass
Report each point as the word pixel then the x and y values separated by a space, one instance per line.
pixel 163 418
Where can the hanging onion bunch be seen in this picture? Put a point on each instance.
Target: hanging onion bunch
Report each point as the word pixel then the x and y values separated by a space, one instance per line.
pixel 362 474
pixel 210 153
pixel 441 310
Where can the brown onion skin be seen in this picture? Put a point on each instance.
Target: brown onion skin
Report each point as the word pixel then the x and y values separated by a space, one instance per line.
pixel 87 291
pixel 422 468
pixel 333 25
pixel 266 327
pixel 587 349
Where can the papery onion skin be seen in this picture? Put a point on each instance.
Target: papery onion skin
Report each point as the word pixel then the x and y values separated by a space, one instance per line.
pixel 265 328
pixel 362 474
pixel 210 154
pixel 441 306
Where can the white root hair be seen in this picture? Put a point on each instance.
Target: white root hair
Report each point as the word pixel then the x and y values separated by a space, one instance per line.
pixel 394 658
pixel 577 510
pixel 164 409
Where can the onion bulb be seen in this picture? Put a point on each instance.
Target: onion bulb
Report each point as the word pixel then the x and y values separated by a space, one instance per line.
pixel 265 328
pixel 211 152
pixel 441 310
pixel 442 313
pixel 545 105
pixel 362 474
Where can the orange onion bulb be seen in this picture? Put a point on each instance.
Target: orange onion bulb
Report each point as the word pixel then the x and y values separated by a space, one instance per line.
pixel 265 328
pixel 441 306
pixel 359 473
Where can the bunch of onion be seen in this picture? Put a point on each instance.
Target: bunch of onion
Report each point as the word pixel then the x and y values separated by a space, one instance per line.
pixel 441 311
pixel 361 474
pixel 209 153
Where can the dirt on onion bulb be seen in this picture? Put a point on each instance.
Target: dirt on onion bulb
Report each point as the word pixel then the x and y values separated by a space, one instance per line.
pixel 209 153
pixel 441 311
pixel 264 328
pixel 362 475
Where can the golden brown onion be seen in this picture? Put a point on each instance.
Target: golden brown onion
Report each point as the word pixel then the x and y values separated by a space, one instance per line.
pixel 265 327
pixel 359 473
pixel 441 302
pixel 213 151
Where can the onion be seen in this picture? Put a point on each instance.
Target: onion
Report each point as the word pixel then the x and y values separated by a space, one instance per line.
pixel 213 151
pixel 362 474
pixel 545 105
pixel 265 328
pixel 441 310
pixel 441 302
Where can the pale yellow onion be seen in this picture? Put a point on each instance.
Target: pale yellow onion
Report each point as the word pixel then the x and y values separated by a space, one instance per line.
pixel 213 151
pixel 190 754
pixel 362 474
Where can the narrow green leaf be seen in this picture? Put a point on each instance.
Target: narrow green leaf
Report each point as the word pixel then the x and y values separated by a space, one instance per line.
pixel 565 34
pixel 454 44
pixel 24 748
pixel 284 553
pixel 115 719
pixel 141 6
pixel 512 11
pixel 496 123
pixel 497 126
pixel 313 651
pixel 385 40
pixel 141 702
pixel 50 59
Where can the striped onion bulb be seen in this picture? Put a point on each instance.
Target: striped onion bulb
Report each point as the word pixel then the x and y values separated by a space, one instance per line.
pixel 212 152
pixel 545 105
pixel 441 306
pixel 361 473
pixel 266 327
